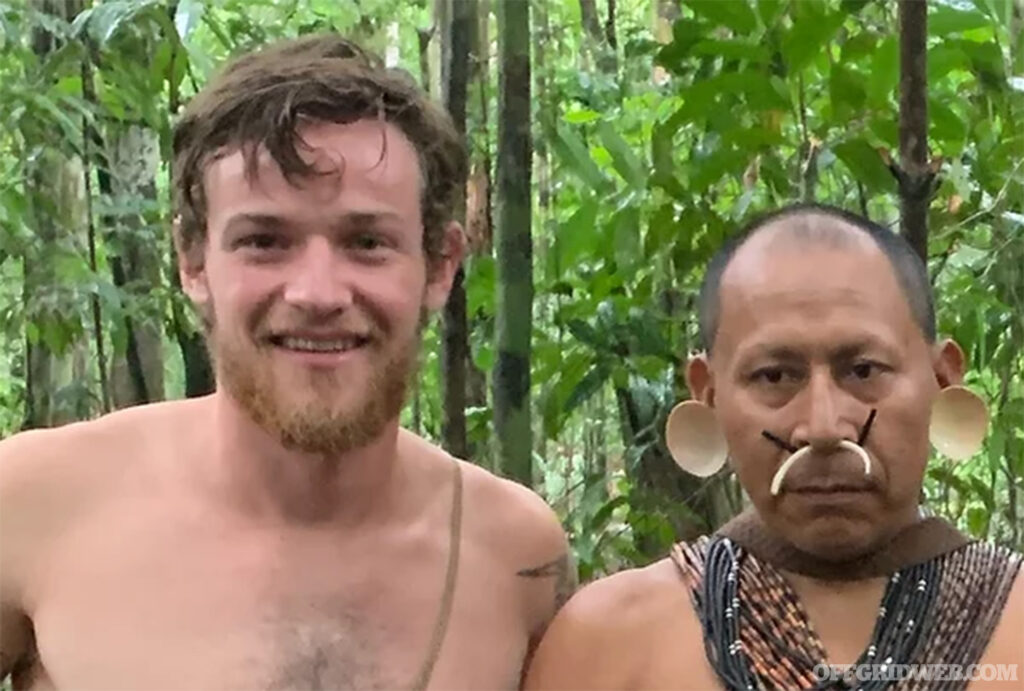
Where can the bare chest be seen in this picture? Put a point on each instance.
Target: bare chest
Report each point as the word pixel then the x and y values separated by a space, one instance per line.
pixel 157 607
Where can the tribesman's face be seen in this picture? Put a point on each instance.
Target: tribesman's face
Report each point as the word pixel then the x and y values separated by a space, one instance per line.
pixel 315 290
pixel 811 337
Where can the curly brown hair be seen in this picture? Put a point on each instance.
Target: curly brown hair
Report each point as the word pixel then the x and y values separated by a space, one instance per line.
pixel 259 100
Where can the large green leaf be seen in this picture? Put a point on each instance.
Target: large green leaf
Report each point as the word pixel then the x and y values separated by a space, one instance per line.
pixel 944 20
pixel 624 159
pixel 587 387
pixel 865 163
pixel 945 127
pixel 104 20
pixel 187 16
pixel 846 91
pixel 480 282
pixel 734 14
pixel 812 30
pixel 686 33
pixel 627 234
pixel 733 49
pixel 885 73
pixel 574 153
pixel 574 368
pixel 576 236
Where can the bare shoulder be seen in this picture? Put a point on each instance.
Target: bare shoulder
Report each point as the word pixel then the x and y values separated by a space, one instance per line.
pixel 606 633
pixel 511 537
pixel 516 516
pixel 44 459
pixel 1007 643
pixel 49 476
pixel 512 518
pixel 49 480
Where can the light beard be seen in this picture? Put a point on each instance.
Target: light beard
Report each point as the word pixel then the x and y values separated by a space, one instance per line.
pixel 312 422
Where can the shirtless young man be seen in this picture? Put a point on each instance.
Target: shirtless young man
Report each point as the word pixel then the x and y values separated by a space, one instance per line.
pixel 284 533
pixel 810 321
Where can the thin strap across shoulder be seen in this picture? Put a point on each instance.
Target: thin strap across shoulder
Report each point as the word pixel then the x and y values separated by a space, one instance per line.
pixel 448 594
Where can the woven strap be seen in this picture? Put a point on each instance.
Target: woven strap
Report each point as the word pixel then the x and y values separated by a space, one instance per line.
pixel 454 540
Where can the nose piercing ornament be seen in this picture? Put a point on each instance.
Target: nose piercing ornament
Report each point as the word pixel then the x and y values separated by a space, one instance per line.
pixel 797 454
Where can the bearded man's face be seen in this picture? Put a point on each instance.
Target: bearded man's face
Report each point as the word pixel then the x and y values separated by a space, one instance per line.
pixel 315 291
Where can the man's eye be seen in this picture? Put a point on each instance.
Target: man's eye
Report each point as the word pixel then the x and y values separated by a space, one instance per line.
pixel 865 370
pixel 773 375
pixel 260 241
pixel 368 243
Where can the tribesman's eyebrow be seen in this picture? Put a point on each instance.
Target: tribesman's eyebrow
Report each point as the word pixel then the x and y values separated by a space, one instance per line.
pixel 775 352
pixel 850 350
pixel 841 352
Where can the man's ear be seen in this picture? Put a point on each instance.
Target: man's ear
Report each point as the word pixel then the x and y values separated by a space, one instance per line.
pixel 191 265
pixel 948 361
pixel 700 379
pixel 441 271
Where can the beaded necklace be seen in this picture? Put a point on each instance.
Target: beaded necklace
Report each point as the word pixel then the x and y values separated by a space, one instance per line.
pixel 758 636
pixel 908 598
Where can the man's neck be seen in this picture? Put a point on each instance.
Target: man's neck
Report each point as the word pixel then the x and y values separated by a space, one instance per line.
pixel 256 476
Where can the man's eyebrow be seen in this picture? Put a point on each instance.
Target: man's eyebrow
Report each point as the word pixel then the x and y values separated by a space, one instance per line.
pixel 775 352
pixel 362 219
pixel 265 221
pixel 852 349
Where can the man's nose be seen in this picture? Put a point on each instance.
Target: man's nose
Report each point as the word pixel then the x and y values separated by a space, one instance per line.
pixel 823 425
pixel 319 279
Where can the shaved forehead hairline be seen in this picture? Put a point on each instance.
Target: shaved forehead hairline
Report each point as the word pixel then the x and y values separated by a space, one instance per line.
pixel 801 232
pixel 809 229
pixel 809 221
pixel 784 235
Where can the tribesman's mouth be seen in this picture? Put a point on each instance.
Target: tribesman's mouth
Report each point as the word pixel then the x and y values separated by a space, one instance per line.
pixel 319 344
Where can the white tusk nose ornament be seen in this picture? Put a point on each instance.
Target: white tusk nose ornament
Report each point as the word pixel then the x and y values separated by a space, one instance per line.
pixel 780 474
pixel 797 454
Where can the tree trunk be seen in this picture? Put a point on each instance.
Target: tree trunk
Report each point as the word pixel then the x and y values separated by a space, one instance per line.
pixel 514 320
pixel 424 36
pixel 478 206
pixel 591 22
pixel 456 35
pixel 138 372
pixel 199 375
pixel 915 178
pixel 609 27
pixel 58 209
pixel 603 53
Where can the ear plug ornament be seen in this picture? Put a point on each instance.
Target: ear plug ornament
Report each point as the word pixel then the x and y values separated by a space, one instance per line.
pixel 695 439
pixel 959 422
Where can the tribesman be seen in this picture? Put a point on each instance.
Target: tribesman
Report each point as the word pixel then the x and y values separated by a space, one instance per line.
pixel 821 382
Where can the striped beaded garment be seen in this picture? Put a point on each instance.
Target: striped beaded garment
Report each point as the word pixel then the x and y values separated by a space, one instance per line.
pixel 758 636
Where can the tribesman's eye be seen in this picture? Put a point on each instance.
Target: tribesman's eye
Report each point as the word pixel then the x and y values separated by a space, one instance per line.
pixel 866 370
pixel 774 375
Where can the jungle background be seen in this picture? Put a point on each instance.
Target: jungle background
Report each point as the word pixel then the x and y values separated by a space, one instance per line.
pixel 614 145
